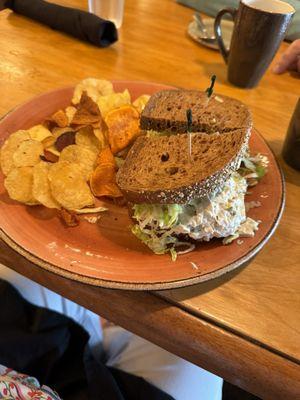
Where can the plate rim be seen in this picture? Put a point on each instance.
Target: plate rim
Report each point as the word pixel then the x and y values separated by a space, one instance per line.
pixel 138 286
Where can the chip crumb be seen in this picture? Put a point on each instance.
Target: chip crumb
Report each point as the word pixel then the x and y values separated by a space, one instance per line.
pixel 72 248
pixel 93 219
pixel 239 241
pixel 52 245
pixel 194 265
pixel 74 262
pixel 69 218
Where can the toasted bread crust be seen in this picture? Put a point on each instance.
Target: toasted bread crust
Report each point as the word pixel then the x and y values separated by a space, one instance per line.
pixel 148 177
pixel 166 111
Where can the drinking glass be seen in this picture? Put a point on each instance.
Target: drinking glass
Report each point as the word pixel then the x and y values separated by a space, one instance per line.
pixel 111 10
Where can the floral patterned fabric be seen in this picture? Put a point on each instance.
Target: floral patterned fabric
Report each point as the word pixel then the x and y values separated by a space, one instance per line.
pixel 16 386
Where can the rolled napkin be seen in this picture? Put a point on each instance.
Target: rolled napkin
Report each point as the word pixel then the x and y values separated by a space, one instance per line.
pixel 213 7
pixel 80 24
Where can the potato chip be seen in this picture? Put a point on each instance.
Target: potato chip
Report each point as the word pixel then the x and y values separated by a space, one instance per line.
pixel 17 137
pixel 8 149
pixel 104 174
pixel 69 217
pixel 64 140
pixel 123 127
pixel 41 185
pixel 39 173
pixel 48 141
pixel 109 190
pixel 106 157
pixel 101 136
pixel 60 131
pixel 70 112
pixel 81 156
pixel 96 125
pixel 85 137
pixel 100 131
pixel 18 184
pixel 6 158
pixel 28 153
pixel 53 150
pixel 39 133
pixel 112 101
pixel 140 102
pixel 48 144
pixel 49 156
pixel 60 118
pixel 94 88
pixel 87 111
pixel 68 186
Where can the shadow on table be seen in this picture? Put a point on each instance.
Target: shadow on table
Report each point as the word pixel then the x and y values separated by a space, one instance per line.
pixel 218 69
pixel 295 74
pixel 291 175
pixel 204 287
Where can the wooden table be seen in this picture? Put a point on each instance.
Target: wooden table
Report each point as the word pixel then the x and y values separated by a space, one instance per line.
pixel 243 327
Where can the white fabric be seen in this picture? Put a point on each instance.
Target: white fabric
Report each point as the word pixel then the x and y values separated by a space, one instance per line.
pixel 123 350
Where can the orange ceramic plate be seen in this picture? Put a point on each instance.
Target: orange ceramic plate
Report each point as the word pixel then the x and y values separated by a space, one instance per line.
pixel 107 254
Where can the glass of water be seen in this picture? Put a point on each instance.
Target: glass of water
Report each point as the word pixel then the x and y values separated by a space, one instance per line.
pixel 112 10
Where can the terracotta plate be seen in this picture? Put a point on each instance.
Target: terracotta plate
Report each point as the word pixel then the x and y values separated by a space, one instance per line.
pixel 107 254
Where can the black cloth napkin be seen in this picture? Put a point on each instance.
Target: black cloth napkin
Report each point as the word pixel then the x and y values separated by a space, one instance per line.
pixel 54 349
pixel 77 23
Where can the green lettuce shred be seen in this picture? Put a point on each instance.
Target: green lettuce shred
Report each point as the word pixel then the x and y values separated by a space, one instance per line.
pixel 260 170
pixel 255 166
pixel 155 226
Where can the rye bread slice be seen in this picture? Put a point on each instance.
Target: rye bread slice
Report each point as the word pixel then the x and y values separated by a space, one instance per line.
pixel 166 111
pixel 158 170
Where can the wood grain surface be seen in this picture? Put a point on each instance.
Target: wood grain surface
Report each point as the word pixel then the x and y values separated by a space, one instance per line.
pixel 245 326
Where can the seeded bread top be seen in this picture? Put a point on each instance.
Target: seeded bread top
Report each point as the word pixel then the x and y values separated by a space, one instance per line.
pixel 166 111
pixel 159 169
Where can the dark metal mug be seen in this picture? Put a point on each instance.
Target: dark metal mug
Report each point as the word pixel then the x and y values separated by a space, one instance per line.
pixel 259 28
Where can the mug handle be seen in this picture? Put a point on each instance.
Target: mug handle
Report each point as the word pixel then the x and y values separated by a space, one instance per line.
pixel 218 30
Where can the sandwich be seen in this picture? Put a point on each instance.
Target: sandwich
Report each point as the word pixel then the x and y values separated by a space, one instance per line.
pixel 166 112
pixel 185 187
